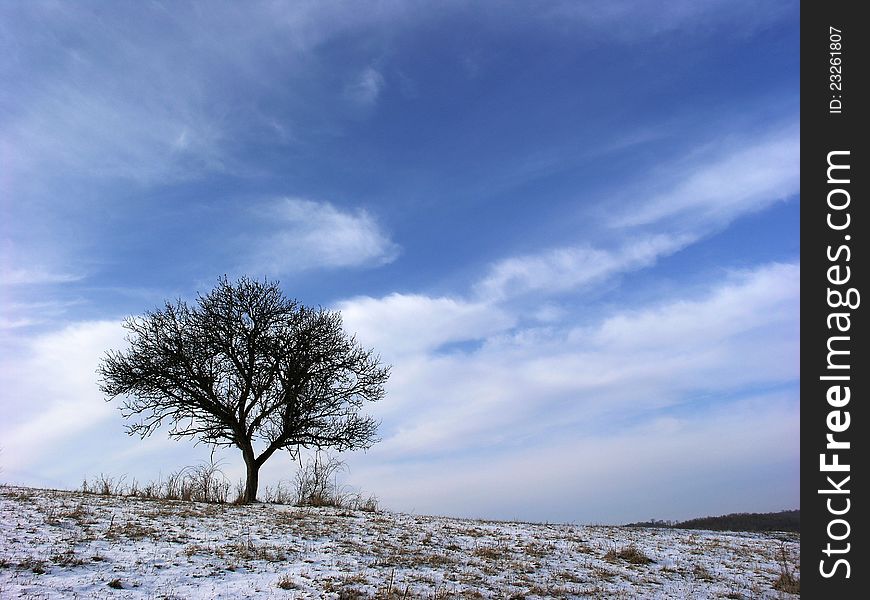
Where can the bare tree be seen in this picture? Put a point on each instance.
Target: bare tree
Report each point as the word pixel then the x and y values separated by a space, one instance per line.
pixel 247 367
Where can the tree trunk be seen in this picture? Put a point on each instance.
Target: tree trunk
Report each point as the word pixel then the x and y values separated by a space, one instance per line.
pixel 252 480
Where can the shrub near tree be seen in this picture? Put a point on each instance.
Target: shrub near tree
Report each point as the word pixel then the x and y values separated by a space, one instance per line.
pixel 248 367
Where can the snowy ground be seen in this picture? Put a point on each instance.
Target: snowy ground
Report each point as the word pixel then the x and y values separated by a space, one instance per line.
pixel 71 545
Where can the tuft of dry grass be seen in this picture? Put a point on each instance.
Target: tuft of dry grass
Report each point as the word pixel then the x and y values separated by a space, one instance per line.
pixel 33 565
pixel 68 558
pixel 489 552
pixel 351 593
pixel 132 530
pixel 246 550
pixel 787 581
pixel 630 554
pixel 285 582
pixel 116 584
pixel 701 572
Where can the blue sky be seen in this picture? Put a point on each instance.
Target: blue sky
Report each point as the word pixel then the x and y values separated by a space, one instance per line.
pixel 571 227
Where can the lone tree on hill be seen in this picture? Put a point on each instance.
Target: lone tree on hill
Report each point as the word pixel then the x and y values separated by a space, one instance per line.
pixel 246 365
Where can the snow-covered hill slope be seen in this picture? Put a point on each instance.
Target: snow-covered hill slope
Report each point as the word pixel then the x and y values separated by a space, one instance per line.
pixel 70 545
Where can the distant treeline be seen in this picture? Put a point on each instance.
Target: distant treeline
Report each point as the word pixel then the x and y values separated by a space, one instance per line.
pixel 786 520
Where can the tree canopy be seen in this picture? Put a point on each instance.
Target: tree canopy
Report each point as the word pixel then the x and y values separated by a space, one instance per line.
pixel 248 367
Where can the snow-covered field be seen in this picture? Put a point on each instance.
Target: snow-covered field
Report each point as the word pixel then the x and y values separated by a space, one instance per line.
pixel 59 544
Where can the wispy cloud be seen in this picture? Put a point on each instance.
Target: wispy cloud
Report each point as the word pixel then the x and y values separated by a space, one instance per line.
pixel 732 309
pixel 152 95
pixel 366 88
pixel 710 193
pixel 305 234
pixel 87 117
pixel 21 314
pixel 33 276
pixel 703 193
pixel 629 21
pixel 565 268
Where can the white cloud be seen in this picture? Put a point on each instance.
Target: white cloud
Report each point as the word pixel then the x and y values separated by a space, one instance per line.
pixel 704 195
pixel 748 300
pixel 565 268
pixel 739 456
pixel 739 181
pixel 309 235
pixel 642 399
pixel 50 390
pixel 524 383
pixel 403 325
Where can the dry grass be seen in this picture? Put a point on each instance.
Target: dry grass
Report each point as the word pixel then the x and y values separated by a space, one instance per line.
pixel 68 558
pixel 286 582
pixel 701 572
pixel 132 530
pixel 33 565
pixel 630 554
pixel 248 551
pixel 116 584
pixel 787 582
pixel 489 552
